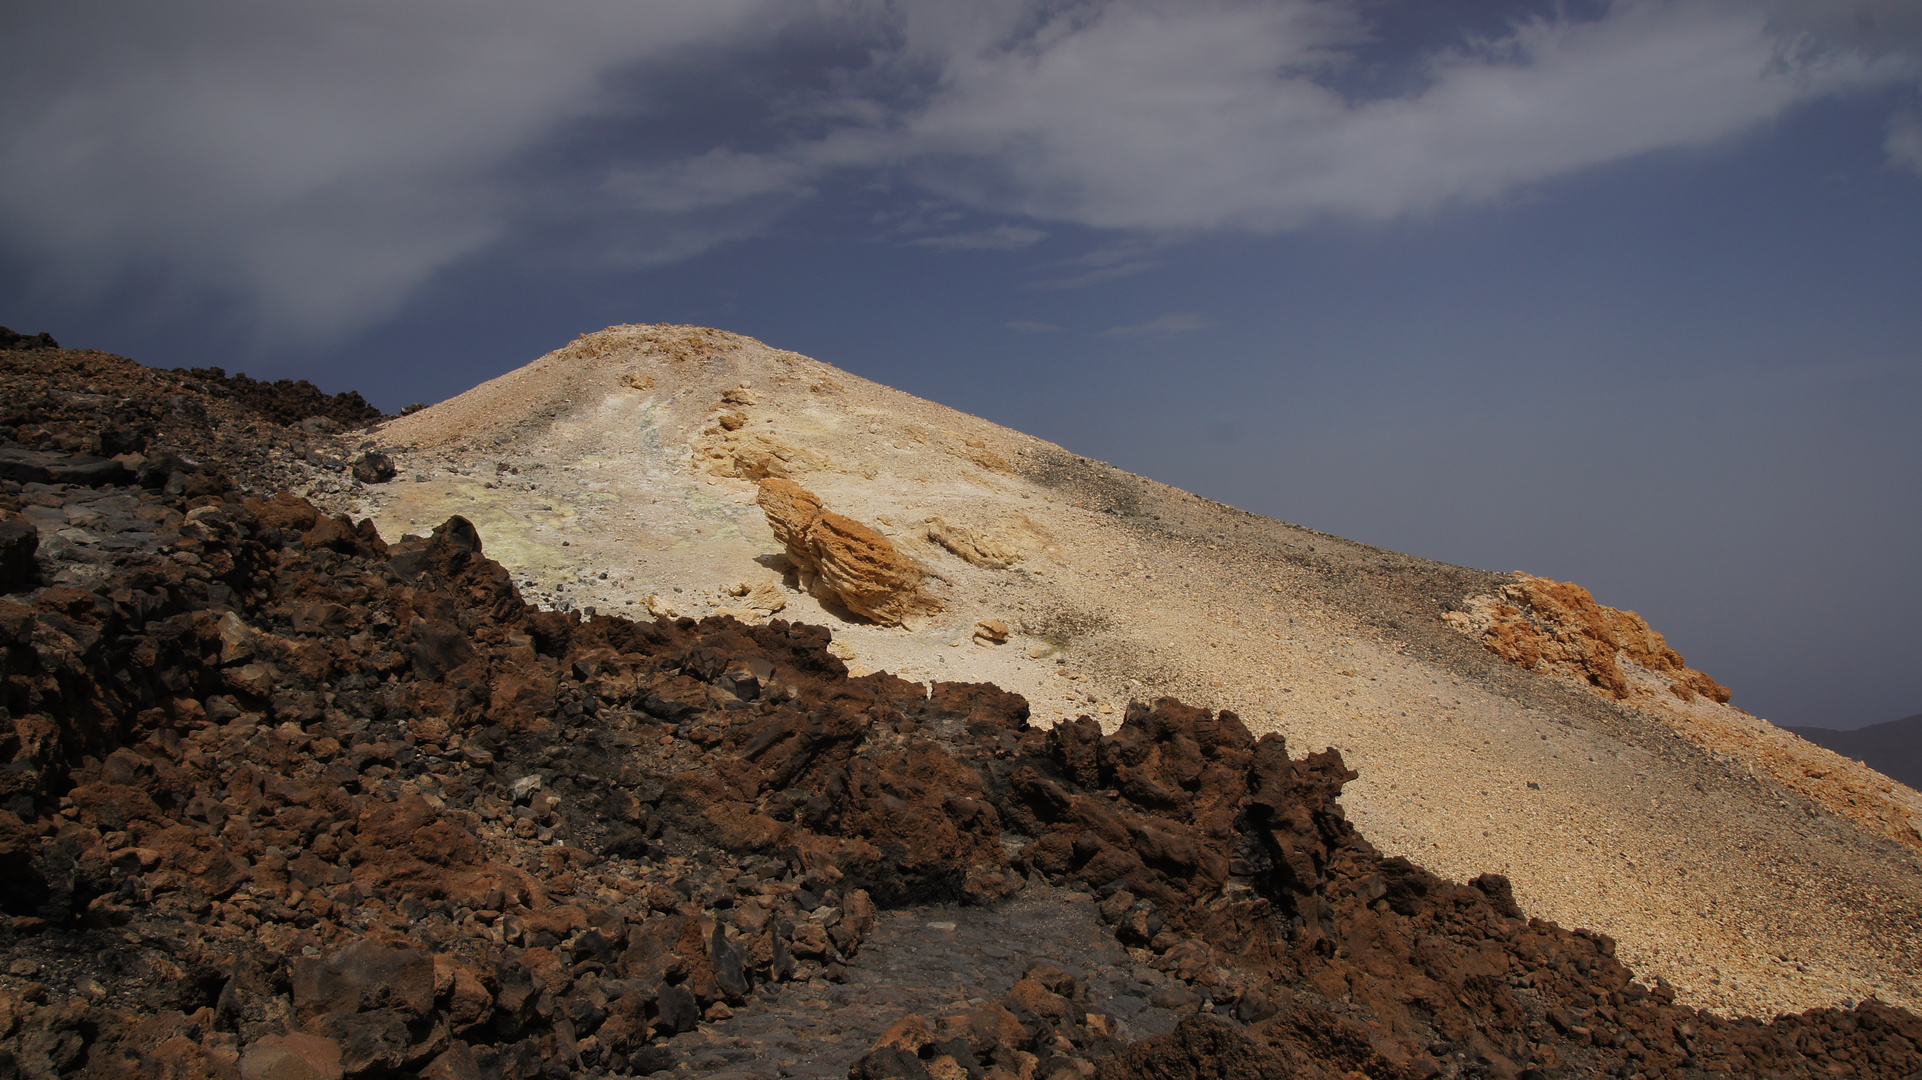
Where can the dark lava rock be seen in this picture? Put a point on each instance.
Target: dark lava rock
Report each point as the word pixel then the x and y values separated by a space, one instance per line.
pixel 291 401
pixel 19 540
pixel 373 467
pixel 26 342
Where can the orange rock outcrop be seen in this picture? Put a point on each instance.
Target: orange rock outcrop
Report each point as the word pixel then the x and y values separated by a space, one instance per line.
pixel 840 559
pixel 1557 626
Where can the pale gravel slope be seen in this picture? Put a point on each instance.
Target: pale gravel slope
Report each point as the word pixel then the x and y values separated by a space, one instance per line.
pixel 597 459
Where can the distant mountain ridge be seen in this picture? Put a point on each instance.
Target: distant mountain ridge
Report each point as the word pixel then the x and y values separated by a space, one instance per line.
pixel 1893 749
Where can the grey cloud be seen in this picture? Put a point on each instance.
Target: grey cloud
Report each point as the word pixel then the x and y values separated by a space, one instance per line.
pixel 317 160
pixel 1097 275
pixel 718 177
pixel 1874 26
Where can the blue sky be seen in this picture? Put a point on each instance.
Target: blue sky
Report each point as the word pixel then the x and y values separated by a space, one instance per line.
pixel 1625 293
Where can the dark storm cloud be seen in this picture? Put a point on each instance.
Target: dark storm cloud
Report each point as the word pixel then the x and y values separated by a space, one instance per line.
pixel 315 163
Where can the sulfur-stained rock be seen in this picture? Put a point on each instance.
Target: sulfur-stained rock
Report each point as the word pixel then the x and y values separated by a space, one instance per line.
pixel 973 545
pixel 842 560
pixel 759 597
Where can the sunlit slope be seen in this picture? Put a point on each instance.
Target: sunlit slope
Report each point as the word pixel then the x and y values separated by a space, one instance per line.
pixel 624 467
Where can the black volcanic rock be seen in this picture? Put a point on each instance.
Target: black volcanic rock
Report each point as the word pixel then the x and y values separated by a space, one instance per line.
pixel 26 342
pixel 373 467
pixel 290 401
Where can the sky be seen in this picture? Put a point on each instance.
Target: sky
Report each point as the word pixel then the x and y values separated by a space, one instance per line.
pixel 1627 293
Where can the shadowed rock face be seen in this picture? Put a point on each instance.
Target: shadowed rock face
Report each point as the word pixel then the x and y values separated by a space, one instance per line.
pixel 284 798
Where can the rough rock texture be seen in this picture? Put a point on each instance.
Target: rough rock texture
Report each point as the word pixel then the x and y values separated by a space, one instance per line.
pixel 284 799
pixel 754 455
pixel 293 401
pixel 82 417
pixel 1230 864
pixel 373 467
pixel 1706 868
pixel 972 545
pixel 841 559
pixel 10 339
pixel 238 773
pixel 1557 626
pixel 432 829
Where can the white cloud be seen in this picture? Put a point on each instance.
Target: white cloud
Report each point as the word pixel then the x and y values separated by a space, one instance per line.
pixel 1181 322
pixel 1210 115
pixel 319 161
pixel 1159 115
pixel 998 238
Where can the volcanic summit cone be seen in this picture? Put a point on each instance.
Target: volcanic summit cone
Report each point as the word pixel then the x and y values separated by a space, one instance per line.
pixel 1613 785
